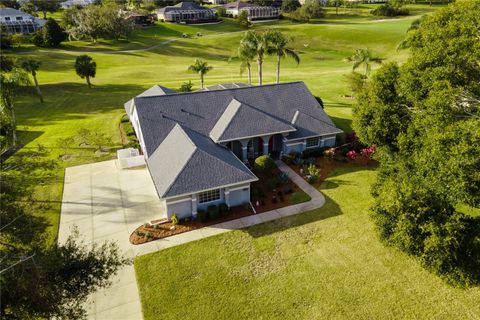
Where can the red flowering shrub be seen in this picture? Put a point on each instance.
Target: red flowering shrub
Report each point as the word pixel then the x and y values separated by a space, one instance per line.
pixel 368 152
pixel 352 154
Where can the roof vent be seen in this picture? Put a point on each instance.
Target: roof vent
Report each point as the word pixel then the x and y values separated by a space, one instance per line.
pixel 185 111
pixel 295 117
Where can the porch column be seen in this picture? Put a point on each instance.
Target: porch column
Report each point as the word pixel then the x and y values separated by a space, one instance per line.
pixel 265 140
pixel 304 145
pixel 227 196
pixel 194 205
pixel 244 143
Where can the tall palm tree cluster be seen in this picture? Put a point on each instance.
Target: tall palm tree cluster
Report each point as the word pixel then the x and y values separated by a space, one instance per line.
pixel 254 46
pixel 257 45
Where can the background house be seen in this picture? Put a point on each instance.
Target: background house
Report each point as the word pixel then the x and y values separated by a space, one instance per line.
pixel 196 144
pixel 16 21
pixel 72 3
pixel 254 11
pixel 186 12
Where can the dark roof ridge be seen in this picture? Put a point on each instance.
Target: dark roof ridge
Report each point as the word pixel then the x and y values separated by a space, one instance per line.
pixel 215 90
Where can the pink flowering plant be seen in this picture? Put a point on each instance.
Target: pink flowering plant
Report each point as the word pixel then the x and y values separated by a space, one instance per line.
pixel 368 152
pixel 352 154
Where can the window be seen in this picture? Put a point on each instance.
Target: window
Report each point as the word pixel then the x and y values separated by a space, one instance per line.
pixel 208 196
pixel 7 18
pixel 19 18
pixel 312 142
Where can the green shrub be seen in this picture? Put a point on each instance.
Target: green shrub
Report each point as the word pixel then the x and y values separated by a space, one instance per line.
pixel 264 164
pixel 19 39
pixel 202 215
pixel 272 183
pixel 313 170
pixel 6 41
pixel 388 10
pixel 50 35
pixel 283 177
pixel 125 118
pixel 174 219
pixel 213 212
pixel 223 208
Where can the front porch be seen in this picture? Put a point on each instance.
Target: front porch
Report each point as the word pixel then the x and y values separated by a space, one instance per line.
pixel 251 148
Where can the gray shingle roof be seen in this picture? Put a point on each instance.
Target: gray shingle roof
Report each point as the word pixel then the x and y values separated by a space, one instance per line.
pixel 201 110
pixel 156 90
pixel 240 120
pixel 186 5
pixel 188 162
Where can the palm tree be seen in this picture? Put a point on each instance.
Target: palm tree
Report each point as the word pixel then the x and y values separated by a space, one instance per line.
pixel 363 56
pixel 10 82
pixel 86 68
pixel 201 67
pixel 245 55
pixel 279 48
pixel 259 43
pixel 32 66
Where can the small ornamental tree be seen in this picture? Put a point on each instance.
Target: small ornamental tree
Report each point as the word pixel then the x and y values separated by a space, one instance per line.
pixel 243 19
pixel 86 68
pixel 50 35
pixel 202 68
pixel 290 5
pixel 264 164
pixel 352 154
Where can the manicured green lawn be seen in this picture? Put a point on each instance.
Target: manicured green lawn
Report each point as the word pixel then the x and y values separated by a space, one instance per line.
pixel 70 104
pixel 323 264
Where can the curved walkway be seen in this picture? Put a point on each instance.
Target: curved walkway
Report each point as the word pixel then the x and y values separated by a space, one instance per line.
pixel 317 201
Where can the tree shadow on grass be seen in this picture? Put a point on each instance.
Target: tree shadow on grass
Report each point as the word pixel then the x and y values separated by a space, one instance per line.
pixel 328 210
pixel 73 101
pixel 342 123
pixel 189 48
pixel 27 136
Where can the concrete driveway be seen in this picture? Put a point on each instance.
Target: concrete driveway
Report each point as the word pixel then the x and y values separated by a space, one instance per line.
pixel 107 203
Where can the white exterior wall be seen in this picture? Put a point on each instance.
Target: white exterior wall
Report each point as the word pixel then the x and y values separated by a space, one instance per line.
pixel 138 131
pixel 239 196
pixel 188 205
pixel 301 144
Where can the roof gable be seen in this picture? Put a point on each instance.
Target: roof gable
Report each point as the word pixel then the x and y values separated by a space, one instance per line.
pixel 156 90
pixel 187 162
pixel 240 120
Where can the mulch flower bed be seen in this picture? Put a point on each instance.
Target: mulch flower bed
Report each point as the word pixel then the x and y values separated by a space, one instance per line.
pixel 270 199
pixel 163 229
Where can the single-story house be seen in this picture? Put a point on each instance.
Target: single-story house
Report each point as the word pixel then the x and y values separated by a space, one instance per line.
pixel 322 2
pixel 255 12
pixel 16 21
pixel 186 12
pixel 196 144
pixel 68 4
pixel 216 1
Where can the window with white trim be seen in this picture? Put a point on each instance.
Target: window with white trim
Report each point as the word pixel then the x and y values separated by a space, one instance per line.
pixel 312 142
pixel 209 196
